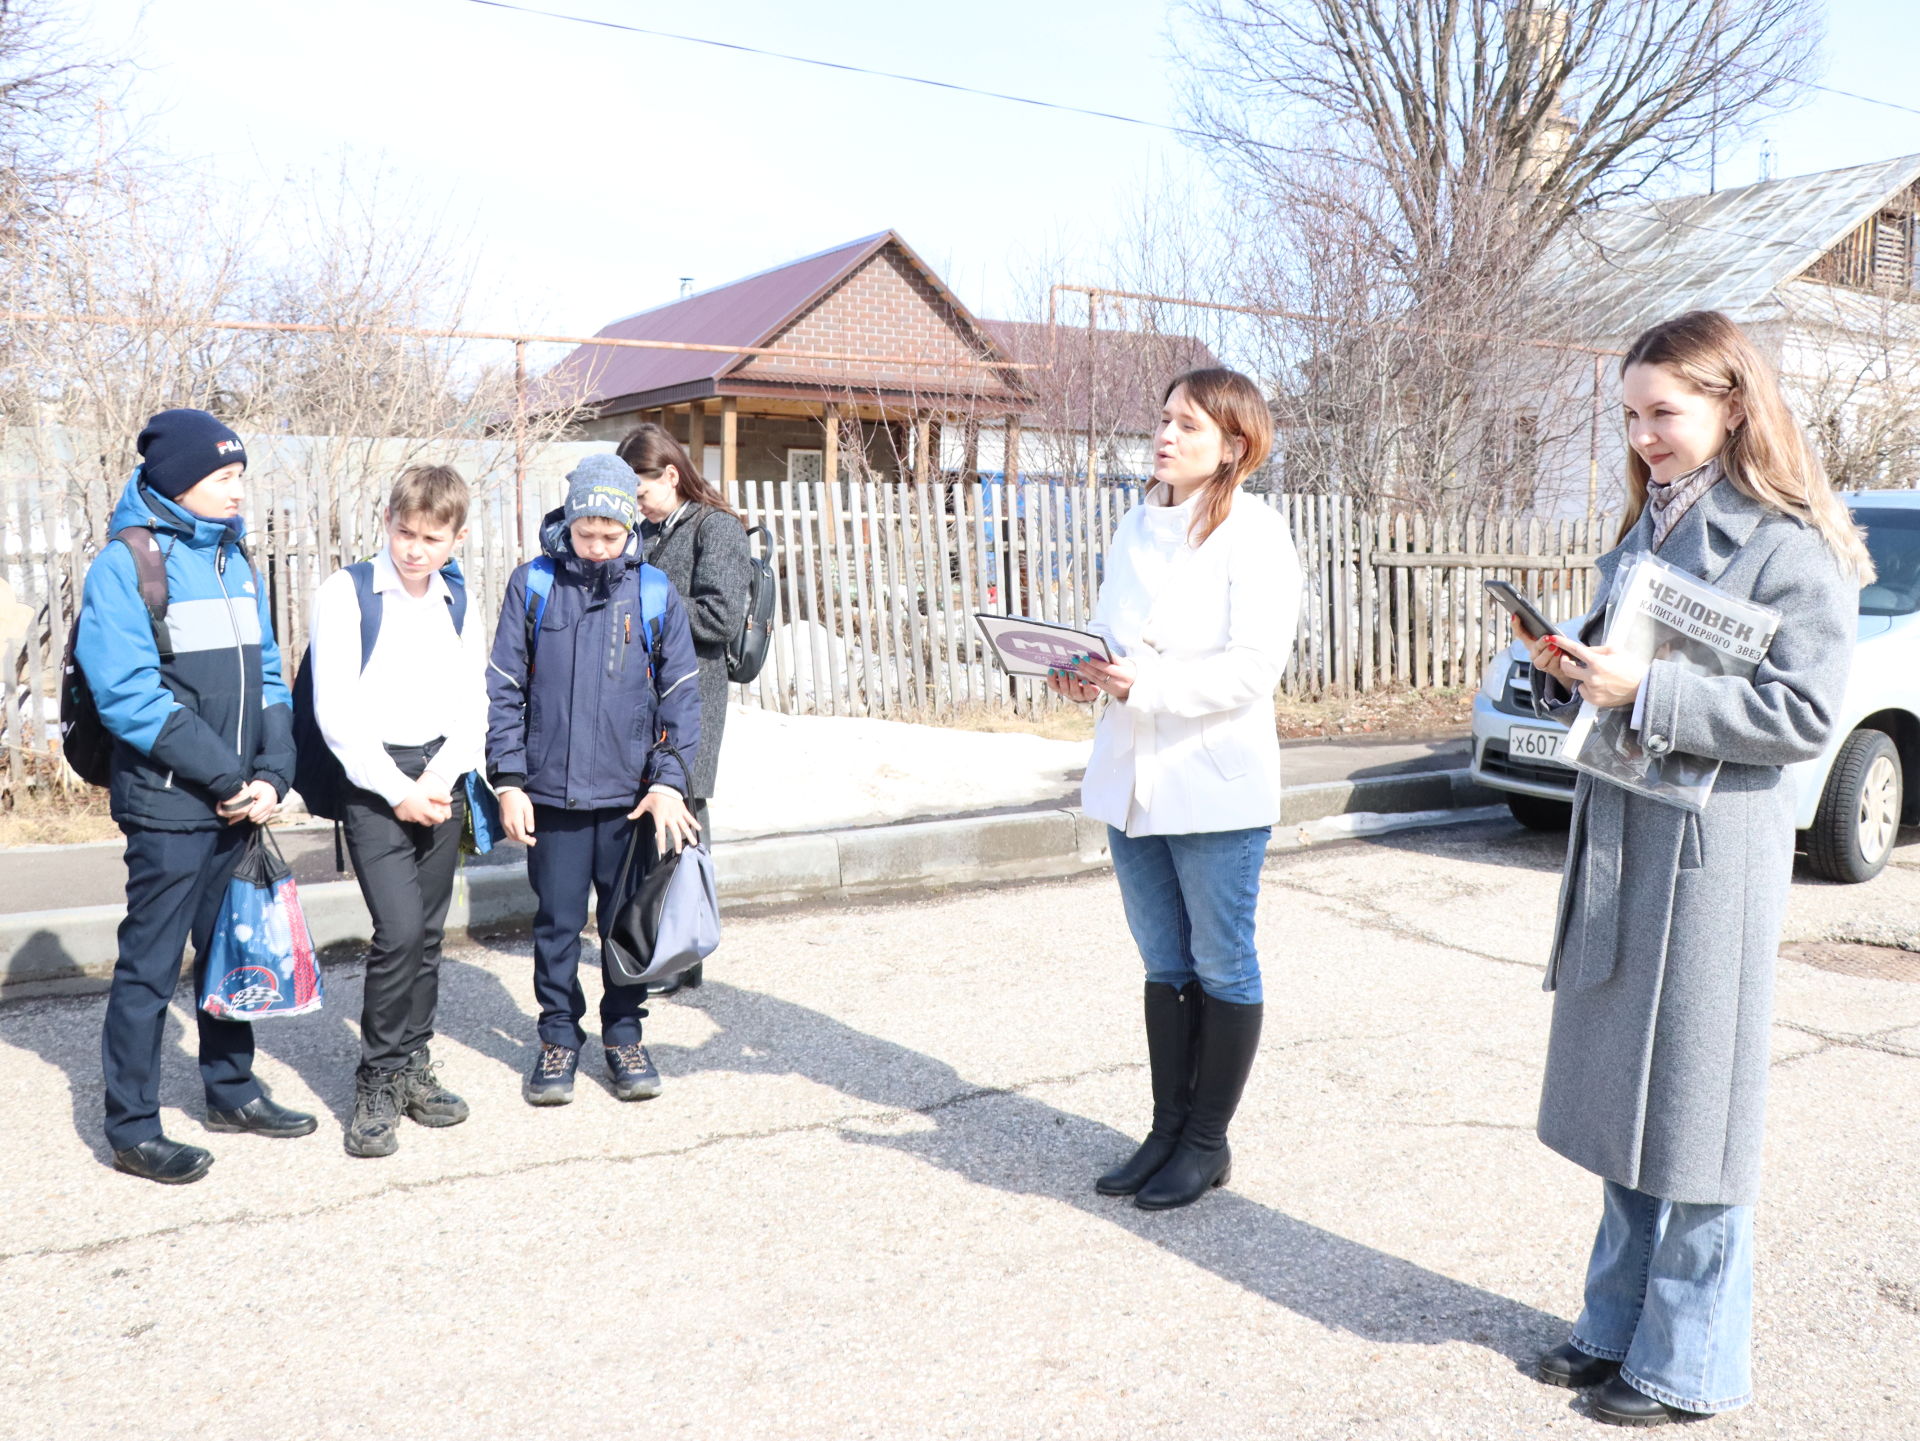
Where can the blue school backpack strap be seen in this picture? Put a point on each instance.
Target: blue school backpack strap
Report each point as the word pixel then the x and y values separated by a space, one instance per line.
pixel 539 588
pixel 318 775
pixel 655 589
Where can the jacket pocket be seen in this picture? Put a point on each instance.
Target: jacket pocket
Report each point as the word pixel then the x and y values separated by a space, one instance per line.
pixel 1223 746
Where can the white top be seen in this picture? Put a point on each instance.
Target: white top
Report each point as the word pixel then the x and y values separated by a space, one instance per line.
pixel 422 681
pixel 1194 747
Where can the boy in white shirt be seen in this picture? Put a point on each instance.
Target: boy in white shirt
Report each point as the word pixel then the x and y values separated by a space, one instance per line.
pixel 406 720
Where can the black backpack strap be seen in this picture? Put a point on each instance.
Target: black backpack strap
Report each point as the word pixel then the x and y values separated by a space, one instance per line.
pixel 150 573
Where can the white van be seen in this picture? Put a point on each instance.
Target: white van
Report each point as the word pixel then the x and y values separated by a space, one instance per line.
pixel 1852 798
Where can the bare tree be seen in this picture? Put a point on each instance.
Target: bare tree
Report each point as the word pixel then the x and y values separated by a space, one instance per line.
pixel 1400 167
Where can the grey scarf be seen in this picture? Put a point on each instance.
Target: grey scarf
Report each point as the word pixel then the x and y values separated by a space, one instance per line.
pixel 1671 502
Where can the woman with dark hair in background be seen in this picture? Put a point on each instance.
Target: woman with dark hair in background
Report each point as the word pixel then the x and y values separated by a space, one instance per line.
pixel 689 531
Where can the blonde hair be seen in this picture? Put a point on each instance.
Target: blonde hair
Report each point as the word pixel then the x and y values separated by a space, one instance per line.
pixel 1767 457
pixel 437 492
pixel 1235 404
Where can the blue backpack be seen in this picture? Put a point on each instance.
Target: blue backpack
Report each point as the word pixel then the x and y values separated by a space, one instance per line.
pixel 317 773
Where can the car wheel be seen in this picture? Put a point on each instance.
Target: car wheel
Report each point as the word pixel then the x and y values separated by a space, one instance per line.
pixel 1859 816
pixel 1537 813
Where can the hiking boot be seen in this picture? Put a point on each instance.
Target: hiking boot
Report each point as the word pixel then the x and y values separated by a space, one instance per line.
pixel 550 1082
pixel 631 1070
pixel 423 1097
pixel 375 1127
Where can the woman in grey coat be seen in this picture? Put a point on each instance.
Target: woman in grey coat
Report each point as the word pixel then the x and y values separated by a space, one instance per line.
pixel 689 531
pixel 1663 953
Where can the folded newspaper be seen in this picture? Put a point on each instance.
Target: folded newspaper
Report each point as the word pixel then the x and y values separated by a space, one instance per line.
pixel 1666 614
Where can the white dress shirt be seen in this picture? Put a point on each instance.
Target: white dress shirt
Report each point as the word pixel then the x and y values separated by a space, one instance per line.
pixel 1194 747
pixel 422 681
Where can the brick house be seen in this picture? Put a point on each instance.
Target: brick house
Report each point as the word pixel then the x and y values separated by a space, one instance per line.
pixel 869 350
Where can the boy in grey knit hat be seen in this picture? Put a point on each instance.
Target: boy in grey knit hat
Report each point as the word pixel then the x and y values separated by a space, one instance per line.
pixel 592 668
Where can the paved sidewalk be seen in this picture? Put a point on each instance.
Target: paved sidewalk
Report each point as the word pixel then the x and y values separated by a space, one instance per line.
pixel 862 1206
pixel 41 878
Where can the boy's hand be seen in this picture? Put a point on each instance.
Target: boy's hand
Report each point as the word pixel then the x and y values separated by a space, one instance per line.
pixel 672 821
pixel 437 787
pixel 420 807
pixel 256 801
pixel 516 816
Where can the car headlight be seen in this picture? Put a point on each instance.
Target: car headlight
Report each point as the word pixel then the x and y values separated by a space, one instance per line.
pixel 1494 681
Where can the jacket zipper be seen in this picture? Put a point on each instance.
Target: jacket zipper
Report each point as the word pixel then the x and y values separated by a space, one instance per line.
pixel 239 648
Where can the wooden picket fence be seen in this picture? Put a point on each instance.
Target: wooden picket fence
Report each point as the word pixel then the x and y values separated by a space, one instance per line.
pixel 879 583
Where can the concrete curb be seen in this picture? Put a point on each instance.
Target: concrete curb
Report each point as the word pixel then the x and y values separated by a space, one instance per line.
pixel 71 952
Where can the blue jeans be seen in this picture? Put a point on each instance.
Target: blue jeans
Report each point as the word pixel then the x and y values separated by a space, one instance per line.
pixel 1670 1297
pixel 1190 901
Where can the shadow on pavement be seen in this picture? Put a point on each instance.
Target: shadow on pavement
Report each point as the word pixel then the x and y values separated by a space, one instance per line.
pixel 324 1049
pixel 1017 1144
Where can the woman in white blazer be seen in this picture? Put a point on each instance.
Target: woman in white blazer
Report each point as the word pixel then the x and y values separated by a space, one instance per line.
pixel 1199 604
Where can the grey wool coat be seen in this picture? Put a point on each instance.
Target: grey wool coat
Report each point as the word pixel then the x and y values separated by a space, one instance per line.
pixel 1668 925
pixel 704 553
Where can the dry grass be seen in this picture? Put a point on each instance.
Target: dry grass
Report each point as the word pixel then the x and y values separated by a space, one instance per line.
pixel 1382 713
pixel 53 816
pixel 1403 712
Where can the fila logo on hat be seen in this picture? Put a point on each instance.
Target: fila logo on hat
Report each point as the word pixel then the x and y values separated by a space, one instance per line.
pixel 225 446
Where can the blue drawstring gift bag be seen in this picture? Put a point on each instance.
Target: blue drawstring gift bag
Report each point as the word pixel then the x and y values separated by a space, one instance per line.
pixel 260 963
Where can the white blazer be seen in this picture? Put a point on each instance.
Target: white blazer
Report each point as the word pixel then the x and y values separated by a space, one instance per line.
pixel 1194 748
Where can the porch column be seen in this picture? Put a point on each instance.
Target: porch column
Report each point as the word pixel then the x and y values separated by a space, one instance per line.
pixel 922 444
pixel 697 436
pixel 730 449
pixel 1010 462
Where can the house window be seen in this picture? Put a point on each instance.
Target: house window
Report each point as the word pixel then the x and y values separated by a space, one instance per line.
pixel 806 466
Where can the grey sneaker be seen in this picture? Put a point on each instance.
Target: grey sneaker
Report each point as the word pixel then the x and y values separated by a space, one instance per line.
pixel 632 1072
pixel 375 1127
pixel 550 1082
pixel 424 1098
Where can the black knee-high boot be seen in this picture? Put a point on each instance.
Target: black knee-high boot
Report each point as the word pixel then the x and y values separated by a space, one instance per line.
pixel 1229 1036
pixel 1173 1014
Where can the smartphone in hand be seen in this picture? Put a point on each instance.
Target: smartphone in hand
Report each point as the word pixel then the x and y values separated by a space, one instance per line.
pixel 1520 608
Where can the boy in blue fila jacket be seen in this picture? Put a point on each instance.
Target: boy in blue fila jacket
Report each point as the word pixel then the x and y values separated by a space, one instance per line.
pixel 203 751
pixel 581 696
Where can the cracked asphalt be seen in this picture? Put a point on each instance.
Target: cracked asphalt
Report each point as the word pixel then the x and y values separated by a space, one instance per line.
pixel 863 1208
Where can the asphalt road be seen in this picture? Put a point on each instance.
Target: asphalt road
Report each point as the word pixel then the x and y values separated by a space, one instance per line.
pixel 862 1207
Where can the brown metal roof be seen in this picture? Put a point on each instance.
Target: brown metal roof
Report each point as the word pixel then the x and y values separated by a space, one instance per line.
pixel 749 312
pixel 1126 371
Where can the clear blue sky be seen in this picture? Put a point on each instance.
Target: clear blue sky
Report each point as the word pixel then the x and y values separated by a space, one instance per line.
pixel 597 168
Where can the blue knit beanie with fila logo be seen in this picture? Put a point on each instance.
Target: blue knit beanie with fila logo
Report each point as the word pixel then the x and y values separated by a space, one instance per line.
pixel 180 448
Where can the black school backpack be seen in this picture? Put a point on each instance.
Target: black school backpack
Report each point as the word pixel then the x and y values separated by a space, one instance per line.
pixel 85 741
pixel 747 650
pixel 317 773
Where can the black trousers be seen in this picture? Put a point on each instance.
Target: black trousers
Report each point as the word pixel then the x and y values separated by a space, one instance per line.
pixel 406 875
pixel 176 881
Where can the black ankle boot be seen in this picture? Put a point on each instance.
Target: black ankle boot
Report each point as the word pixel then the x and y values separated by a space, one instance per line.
pixel 1619 1404
pixel 1172 1015
pixel 1567 1365
pixel 1229 1037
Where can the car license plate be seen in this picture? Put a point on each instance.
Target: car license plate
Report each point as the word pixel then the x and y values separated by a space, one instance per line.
pixel 1529 744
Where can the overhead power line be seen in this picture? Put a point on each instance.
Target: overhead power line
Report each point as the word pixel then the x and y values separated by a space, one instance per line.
pixel 840 65
pixel 954 87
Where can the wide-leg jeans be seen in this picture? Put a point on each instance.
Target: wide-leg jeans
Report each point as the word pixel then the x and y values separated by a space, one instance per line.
pixel 1670 1297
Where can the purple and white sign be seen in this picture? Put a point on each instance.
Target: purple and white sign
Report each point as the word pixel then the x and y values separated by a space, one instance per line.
pixel 1034 647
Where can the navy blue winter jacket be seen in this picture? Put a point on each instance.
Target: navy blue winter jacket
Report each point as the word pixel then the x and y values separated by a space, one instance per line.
pixel 193 730
pixel 581 735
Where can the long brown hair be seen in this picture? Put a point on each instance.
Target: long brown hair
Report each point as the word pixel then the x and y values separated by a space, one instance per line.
pixel 650 450
pixel 1767 457
pixel 1235 404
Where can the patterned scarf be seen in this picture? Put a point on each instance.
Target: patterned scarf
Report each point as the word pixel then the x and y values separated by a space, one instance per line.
pixel 1671 502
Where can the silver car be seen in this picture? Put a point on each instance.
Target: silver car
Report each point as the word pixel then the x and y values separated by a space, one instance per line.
pixel 1851 799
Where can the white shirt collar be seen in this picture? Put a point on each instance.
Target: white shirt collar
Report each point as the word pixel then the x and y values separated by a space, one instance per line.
pixel 386 577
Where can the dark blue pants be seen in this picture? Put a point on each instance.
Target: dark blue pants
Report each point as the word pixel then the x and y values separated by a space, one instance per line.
pixel 572 850
pixel 175 883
